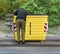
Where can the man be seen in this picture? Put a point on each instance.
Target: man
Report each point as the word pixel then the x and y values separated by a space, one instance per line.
pixel 20 22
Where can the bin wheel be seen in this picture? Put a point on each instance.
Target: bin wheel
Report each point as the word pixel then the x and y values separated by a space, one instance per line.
pixel 41 41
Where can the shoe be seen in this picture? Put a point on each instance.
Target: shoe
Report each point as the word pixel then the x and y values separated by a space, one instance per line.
pixel 18 42
pixel 23 42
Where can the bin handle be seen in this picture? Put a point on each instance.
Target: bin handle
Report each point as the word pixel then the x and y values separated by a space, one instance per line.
pixel 30 28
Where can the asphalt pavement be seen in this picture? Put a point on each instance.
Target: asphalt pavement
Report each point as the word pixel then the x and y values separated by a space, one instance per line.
pixel 29 50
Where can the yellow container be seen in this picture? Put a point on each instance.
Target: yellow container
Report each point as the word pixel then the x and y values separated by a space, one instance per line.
pixel 36 27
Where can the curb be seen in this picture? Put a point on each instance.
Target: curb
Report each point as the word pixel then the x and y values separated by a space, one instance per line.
pixel 30 45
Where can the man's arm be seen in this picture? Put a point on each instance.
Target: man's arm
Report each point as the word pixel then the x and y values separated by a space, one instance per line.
pixel 15 13
pixel 26 13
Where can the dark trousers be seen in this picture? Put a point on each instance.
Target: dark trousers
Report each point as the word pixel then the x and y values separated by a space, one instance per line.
pixel 20 25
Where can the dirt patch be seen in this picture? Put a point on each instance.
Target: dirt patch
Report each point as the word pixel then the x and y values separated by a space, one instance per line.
pixel 4 28
pixel 54 30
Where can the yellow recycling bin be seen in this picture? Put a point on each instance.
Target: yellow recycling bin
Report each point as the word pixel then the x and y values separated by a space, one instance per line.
pixel 35 29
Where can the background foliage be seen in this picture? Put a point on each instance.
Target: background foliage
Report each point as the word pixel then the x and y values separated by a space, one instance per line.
pixel 49 7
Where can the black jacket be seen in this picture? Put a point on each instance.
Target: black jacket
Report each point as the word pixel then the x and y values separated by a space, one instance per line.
pixel 21 13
